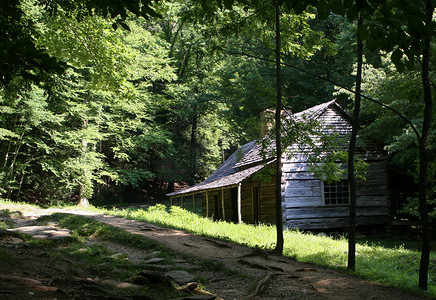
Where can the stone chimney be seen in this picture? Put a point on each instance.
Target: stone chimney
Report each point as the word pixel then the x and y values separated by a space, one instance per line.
pixel 267 119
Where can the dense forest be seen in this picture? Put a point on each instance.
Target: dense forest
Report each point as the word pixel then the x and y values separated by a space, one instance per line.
pixel 123 109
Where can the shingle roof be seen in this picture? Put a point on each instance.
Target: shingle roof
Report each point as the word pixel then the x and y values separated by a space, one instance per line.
pixel 255 156
pixel 226 175
pixel 315 111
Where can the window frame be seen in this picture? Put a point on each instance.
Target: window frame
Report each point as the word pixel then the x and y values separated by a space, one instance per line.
pixel 335 184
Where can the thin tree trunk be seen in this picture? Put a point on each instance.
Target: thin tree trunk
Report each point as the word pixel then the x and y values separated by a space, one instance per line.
pixel 83 200
pixel 423 155
pixel 351 154
pixel 8 148
pixel 10 174
pixel 278 191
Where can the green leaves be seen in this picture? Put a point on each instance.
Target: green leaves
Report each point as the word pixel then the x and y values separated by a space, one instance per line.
pixel 21 56
pixel 96 127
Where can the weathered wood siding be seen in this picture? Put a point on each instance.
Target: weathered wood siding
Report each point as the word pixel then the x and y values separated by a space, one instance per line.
pixel 247 203
pixel 265 205
pixel 302 196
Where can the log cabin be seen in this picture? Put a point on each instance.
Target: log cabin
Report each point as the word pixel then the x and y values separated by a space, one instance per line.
pixel 236 193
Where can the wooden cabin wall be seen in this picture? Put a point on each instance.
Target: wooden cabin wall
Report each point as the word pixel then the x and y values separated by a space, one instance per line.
pixel 265 206
pixel 267 212
pixel 305 208
pixel 229 217
pixel 247 203
pixel 303 193
pixel 372 195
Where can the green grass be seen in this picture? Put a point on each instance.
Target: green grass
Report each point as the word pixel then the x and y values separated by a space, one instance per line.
pixel 6 258
pixel 393 265
pixel 102 260
pixel 83 227
pixel 6 218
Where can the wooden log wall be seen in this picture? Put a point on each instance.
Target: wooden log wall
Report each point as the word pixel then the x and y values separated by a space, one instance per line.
pixel 227 214
pixel 267 212
pixel 266 203
pixel 212 205
pixel 247 203
pixel 303 193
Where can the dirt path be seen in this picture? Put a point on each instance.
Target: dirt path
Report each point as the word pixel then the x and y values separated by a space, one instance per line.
pixel 300 281
pixel 290 280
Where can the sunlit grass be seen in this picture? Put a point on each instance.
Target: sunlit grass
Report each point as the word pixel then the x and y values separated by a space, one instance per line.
pixel 83 228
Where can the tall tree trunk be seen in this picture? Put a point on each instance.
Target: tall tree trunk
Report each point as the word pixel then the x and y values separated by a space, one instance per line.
pixel 10 174
pixel 351 152
pixel 278 191
pixel 423 155
pixel 83 199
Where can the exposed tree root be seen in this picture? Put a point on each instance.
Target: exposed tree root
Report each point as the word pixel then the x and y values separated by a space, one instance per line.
pixel 306 270
pixel 261 285
pixel 218 244
pixel 260 266
pixel 253 264
pixel 266 280
pixel 257 252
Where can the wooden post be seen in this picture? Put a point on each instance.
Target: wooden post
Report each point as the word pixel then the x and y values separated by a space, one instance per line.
pixel 222 201
pixel 193 203
pixel 239 203
pixel 171 201
pixel 207 203
pixel 181 201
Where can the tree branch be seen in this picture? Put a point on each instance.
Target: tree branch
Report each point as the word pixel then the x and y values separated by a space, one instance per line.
pixel 415 130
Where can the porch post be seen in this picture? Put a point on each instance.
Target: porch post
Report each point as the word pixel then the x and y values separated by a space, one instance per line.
pixel 207 203
pixel 222 201
pixel 239 203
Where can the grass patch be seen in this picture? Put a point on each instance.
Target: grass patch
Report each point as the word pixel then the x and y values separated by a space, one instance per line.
pixel 83 227
pixel 103 261
pixel 392 265
pixel 6 218
pixel 6 258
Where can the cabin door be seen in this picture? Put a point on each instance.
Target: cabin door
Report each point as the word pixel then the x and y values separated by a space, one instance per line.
pixel 216 215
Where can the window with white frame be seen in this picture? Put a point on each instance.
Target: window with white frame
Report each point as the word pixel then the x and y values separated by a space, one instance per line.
pixel 336 193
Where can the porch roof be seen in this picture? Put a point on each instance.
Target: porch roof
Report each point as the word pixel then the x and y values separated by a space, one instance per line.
pixel 226 175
